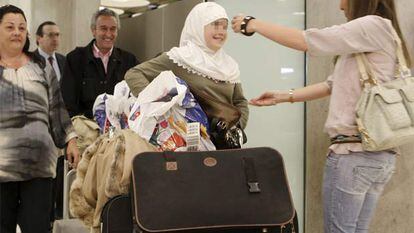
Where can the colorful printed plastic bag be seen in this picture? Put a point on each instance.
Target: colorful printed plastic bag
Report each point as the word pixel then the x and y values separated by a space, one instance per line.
pixel 162 112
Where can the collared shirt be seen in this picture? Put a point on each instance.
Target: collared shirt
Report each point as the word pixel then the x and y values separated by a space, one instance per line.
pixel 55 64
pixel 371 34
pixel 104 57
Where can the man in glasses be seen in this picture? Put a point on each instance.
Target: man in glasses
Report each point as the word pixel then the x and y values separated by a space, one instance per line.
pixel 47 40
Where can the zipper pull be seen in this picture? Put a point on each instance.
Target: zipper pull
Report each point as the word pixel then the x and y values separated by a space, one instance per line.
pixel 292 226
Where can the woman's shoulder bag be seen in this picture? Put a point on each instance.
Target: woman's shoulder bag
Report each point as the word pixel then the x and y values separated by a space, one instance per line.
pixel 385 111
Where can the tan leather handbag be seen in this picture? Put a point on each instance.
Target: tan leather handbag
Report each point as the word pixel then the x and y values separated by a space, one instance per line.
pixel 385 111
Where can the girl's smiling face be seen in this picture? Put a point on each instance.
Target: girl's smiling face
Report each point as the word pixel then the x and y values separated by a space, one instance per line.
pixel 215 34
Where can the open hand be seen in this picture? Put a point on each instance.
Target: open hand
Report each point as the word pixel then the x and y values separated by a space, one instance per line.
pixel 267 99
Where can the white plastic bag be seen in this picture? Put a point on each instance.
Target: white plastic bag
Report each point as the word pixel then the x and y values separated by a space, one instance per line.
pixel 162 111
pixel 113 110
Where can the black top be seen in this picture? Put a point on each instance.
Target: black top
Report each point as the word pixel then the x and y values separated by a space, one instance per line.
pixel 84 77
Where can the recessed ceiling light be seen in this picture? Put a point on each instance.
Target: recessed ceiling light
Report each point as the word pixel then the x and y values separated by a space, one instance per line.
pixel 125 4
pixel 286 70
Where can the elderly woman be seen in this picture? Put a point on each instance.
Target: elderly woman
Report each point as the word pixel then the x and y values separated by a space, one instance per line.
pixel 199 60
pixel 33 122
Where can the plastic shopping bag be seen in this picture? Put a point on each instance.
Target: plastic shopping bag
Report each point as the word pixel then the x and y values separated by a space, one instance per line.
pixel 113 110
pixel 163 111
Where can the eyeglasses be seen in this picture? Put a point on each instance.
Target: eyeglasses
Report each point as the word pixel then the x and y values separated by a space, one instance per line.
pixel 52 34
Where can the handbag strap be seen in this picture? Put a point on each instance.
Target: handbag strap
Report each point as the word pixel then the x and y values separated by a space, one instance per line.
pixel 367 75
pixel 365 69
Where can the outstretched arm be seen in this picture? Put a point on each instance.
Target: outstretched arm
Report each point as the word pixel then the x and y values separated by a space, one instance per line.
pixel 290 37
pixel 311 92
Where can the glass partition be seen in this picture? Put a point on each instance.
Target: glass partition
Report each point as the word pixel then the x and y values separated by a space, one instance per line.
pixel 265 65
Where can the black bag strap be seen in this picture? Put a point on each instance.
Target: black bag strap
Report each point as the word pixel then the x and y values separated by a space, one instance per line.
pixel 251 177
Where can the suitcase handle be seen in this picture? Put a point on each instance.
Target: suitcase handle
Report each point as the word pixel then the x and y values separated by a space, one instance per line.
pixel 251 177
pixel 66 187
pixel 170 161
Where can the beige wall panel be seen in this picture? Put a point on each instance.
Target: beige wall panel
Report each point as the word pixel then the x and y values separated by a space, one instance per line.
pixel 43 10
pixel 154 31
pixel 395 211
pixel 406 19
pixel 81 13
pixel 72 17
pixel 142 35
pixel 320 13
pixel 173 25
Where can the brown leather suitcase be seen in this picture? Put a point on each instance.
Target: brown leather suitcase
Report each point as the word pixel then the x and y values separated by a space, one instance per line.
pixel 243 190
pixel 116 216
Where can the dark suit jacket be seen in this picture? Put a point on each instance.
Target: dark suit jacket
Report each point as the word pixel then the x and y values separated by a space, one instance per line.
pixel 61 60
pixel 84 77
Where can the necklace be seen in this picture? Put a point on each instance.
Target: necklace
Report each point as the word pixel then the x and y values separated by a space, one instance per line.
pixel 17 64
pixel 4 63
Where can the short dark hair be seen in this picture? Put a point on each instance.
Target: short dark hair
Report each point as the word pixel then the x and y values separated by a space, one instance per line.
pixel 7 9
pixel 39 31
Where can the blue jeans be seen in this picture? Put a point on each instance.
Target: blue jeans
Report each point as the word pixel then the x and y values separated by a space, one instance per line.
pixel 352 185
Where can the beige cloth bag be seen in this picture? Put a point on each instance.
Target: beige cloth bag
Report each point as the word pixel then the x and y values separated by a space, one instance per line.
pixel 87 131
pixel 104 172
pixel 385 111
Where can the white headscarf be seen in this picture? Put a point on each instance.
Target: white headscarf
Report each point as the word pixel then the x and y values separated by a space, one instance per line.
pixel 193 53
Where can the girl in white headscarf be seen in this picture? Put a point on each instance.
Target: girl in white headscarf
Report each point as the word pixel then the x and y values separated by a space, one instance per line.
pixel 199 60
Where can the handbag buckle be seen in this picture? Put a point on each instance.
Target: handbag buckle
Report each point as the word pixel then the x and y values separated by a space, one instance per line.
pixel 254 187
pixel 405 73
pixel 369 82
pixel 222 125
